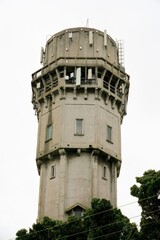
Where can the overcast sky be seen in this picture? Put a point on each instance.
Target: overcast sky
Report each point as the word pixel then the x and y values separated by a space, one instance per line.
pixel 24 28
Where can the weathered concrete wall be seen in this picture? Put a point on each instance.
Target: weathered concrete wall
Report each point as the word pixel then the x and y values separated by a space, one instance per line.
pixel 81 79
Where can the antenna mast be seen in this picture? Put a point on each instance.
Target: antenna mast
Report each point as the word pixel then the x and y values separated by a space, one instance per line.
pixel 87 22
pixel 120 45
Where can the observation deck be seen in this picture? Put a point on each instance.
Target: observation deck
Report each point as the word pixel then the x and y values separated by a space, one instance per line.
pixel 81 59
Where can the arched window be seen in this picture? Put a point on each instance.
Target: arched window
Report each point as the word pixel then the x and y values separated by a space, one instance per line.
pixel 76 211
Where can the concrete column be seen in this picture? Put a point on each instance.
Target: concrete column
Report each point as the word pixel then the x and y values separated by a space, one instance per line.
pixel 94 174
pixel 39 129
pixel 113 186
pixel 42 192
pixel 62 182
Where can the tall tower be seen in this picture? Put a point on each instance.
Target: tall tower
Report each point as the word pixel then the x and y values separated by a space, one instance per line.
pixel 79 96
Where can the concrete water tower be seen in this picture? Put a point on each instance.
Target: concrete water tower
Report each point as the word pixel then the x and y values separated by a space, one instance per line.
pixel 79 96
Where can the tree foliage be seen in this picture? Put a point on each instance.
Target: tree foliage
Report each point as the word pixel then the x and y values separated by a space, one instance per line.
pixel 148 192
pixel 104 222
pixel 108 222
pixel 101 221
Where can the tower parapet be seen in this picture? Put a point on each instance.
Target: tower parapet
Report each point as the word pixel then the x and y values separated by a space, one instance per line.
pixel 80 96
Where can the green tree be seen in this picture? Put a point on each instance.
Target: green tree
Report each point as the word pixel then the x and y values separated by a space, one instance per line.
pixel 147 192
pixel 108 223
pixel 100 221
pixel 74 229
pixel 22 234
pixel 46 230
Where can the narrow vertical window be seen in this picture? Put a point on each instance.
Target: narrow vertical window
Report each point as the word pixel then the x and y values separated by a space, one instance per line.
pixel 79 127
pixel 53 171
pixel 49 132
pixel 104 172
pixel 109 133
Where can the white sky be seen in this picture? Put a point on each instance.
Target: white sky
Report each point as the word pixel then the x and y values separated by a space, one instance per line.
pixel 24 28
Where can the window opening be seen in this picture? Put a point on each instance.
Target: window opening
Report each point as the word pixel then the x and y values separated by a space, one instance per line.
pixel 106 82
pixel 104 172
pixel 49 132
pixel 100 72
pixel 70 74
pixel 79 127
pixel 83 75
pixel 91 75
pixel 61 71
pixel 53 171
pixel 78 212
pixel 109 133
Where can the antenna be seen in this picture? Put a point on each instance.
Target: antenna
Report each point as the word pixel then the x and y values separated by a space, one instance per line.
pixel 120 46
pixel 42 55
pixel 87 22
pixel 105 38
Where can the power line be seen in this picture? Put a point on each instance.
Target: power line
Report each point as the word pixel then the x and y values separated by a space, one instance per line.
pixel 138 201
pixel 105 235
pixel 111 232
pixel 99 227
pixel 71 235
pixel 130 234
pixel 108 210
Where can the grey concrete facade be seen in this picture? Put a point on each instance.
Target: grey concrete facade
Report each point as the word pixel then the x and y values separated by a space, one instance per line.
pixel 80 97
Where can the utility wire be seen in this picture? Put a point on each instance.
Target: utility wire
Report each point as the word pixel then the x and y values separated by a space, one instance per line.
pixel 100 227
pixel 71 235
pixel 105 235
pixel 108 210
pixel 130 234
